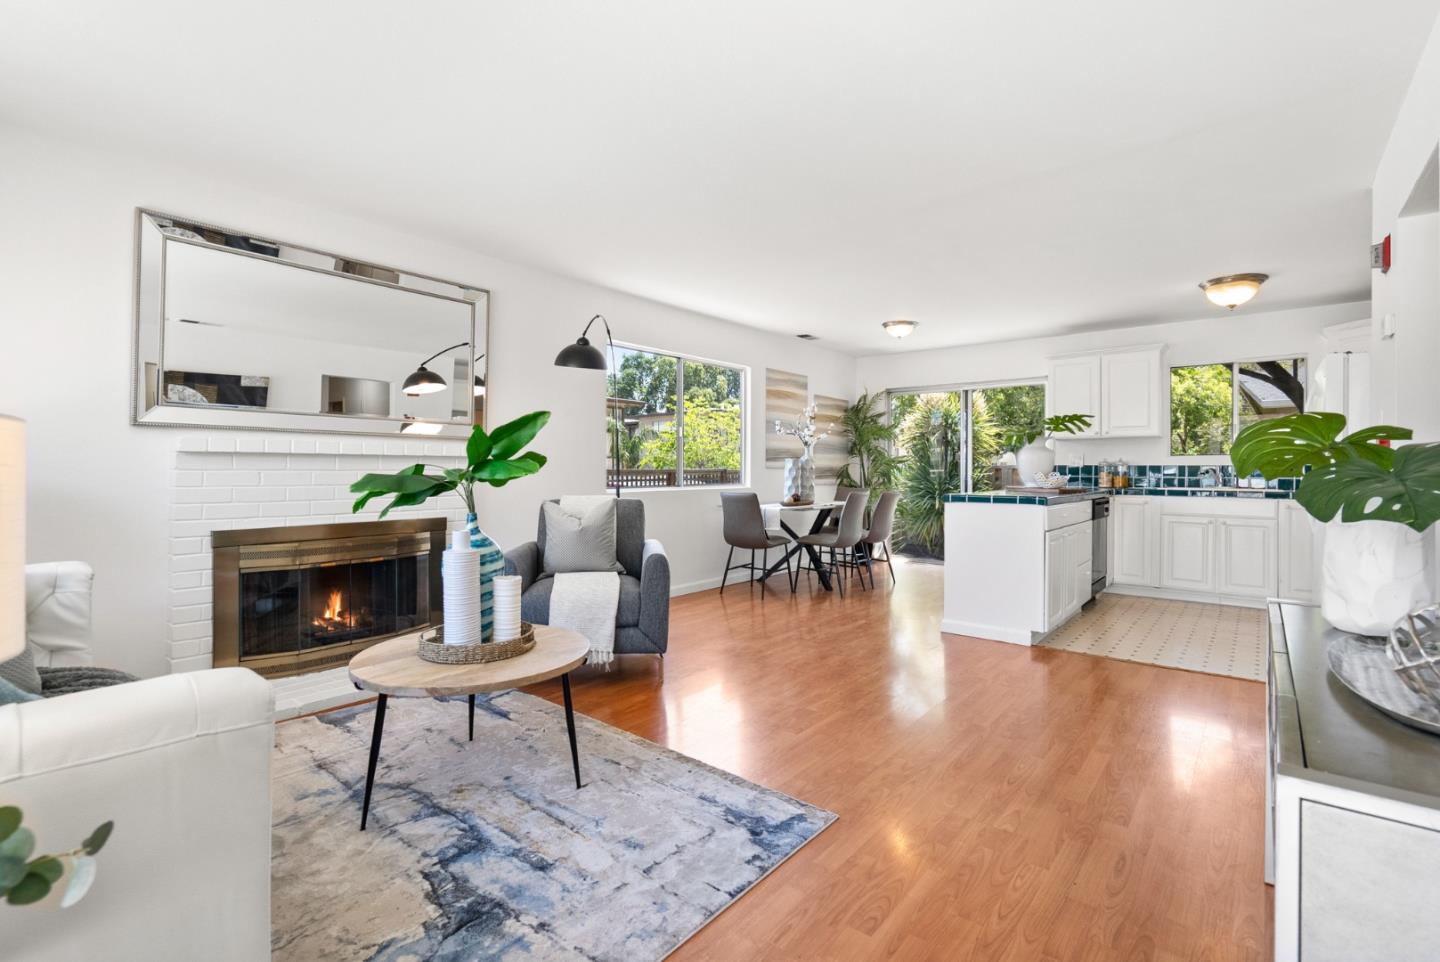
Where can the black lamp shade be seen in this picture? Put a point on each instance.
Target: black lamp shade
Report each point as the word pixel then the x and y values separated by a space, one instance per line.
pixel 423 381
pixel 581 354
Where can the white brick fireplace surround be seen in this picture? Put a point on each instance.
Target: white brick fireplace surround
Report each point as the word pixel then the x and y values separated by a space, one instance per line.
pixel 224 481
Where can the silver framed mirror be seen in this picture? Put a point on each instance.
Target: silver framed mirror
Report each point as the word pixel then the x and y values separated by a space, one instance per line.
pixel 236 330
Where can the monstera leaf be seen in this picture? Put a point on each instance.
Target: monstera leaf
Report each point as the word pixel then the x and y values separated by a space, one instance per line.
pixel 1408 492
pixel 1286 447
pixel 1354 477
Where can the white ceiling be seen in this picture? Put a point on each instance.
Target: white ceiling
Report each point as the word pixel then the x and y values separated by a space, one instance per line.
pixel 990 169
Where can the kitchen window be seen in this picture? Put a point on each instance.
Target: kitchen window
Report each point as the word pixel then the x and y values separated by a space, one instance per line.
pixel 1211 403
pixel 673 421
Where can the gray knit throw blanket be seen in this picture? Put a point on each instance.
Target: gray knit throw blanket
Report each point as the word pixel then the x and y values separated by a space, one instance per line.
pixel 65 681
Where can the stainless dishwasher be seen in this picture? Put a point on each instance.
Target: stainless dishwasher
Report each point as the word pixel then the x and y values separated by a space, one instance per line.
pixel 1099 546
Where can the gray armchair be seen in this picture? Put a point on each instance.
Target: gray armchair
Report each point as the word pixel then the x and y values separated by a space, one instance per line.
pixel 642 622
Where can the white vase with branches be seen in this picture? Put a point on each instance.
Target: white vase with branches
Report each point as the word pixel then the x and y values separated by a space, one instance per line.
pixel 800 472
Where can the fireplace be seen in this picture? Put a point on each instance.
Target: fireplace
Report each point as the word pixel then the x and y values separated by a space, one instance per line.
pixel 297 599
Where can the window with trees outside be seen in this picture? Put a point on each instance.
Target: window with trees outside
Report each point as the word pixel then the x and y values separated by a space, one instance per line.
pixel 673 421
pixel 1211 403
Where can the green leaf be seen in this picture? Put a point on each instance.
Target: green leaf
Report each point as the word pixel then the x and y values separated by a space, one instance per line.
pixel 505 470
pixel 1067 423
pixel 19 844
pixel 410 498
pixel 535 456
pixel 1285 447
pixel 478 448
pixel 10 819
pixel 1408 493
pixel 364 499
pixel 82 876
pixel 47 866
pixel 508 439
pixel 32 888
pixel 98 838
pixel 1380 432
pixel 12 871
pixel 406 482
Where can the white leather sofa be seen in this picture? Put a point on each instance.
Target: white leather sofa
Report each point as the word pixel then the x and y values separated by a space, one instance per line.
pixel 180 763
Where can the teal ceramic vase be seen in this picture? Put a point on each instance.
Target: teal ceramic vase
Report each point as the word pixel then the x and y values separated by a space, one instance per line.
pixel 492 564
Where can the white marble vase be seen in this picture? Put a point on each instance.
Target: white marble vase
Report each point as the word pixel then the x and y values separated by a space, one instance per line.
pixel 1375 573
pixel 800 479
pixel 1037 457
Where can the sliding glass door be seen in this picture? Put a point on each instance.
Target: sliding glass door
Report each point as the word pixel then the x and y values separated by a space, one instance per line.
pixel 955 440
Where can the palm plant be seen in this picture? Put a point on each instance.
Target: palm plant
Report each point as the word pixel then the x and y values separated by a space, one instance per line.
pixel 930 435
pixel 864 423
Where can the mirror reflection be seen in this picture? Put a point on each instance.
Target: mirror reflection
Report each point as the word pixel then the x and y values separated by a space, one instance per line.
pixel 254 327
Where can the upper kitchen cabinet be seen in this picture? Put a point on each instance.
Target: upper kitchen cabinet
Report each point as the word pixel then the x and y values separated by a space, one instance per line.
pixel 1130 393
pixel 1121 389
pixel 1075 388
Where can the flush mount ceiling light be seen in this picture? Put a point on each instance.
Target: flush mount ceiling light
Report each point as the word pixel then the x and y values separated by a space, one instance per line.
pixel 899 329
pixel 1232 290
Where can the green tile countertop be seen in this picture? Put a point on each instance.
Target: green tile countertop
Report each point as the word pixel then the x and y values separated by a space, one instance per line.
pixel 1001 498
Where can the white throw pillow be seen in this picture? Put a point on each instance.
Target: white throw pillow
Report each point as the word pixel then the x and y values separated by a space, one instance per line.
pixel 580 537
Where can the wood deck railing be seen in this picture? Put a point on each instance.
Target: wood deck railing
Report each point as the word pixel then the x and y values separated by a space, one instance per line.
pixel 651 478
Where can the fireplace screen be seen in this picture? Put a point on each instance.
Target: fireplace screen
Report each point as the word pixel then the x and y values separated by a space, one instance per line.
pixel 296 603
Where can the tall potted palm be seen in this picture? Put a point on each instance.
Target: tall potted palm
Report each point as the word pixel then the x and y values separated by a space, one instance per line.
pixel 1376 502
pixel 871 466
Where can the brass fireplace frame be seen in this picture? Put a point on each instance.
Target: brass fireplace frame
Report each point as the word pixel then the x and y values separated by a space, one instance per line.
pixel 312 546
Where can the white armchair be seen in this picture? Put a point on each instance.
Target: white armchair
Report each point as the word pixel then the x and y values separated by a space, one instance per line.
pixel 181 764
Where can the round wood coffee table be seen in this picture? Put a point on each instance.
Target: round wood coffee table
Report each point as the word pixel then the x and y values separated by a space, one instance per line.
pixel 395 668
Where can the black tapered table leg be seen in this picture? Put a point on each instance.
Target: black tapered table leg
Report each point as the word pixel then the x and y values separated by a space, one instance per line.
pixel 472 718
pixel 374 757
pixel 570 724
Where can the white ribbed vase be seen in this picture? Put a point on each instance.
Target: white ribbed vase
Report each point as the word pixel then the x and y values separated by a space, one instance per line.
pixel 1037 457
pixel 1375 573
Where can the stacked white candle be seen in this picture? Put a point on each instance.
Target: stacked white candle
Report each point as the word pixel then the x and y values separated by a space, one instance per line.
pixel 460 567
pixel 507 608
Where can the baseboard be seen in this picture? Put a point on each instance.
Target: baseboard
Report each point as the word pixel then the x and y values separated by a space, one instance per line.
pixel 1171 594
pixel 1011 636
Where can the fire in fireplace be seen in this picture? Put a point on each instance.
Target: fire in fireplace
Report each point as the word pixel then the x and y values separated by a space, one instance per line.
pixel 289 600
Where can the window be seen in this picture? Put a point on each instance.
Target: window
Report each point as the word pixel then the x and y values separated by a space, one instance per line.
pixel 1211 403
pixel 953 440
pixel 674 421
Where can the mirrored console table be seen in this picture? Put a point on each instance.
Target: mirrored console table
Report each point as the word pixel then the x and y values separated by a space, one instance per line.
pixel 1352 811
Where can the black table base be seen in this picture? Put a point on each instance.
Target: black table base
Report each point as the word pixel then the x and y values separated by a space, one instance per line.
pixel 379 730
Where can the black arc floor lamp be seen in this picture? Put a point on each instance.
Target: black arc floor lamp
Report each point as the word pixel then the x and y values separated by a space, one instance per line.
pixel 582 354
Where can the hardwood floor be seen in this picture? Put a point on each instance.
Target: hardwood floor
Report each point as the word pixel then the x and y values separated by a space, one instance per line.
pixel 995 801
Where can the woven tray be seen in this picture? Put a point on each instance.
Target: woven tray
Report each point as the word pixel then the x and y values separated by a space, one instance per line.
pixel 434 649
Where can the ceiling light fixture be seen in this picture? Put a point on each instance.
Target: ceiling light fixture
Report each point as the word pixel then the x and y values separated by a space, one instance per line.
pixel 899 328
pixel 1232 290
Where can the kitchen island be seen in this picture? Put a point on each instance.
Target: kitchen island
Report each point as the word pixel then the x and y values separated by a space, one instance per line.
pixel 1020 565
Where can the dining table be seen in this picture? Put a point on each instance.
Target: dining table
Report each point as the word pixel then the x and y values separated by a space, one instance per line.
pixel 822 511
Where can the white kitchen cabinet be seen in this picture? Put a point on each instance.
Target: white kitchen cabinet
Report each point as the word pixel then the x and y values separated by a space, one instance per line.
pixel 1130 394
pixel 1067 572
pixel 1298 548
pixel 1133 540
pixel 1187 556
pixel 1246 563
pixel 1075 388
pixel 1120 389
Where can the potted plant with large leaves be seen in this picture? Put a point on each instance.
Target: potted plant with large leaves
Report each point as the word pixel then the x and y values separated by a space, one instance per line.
pixel 1376 501
pixel 1034 453
pixel 494 459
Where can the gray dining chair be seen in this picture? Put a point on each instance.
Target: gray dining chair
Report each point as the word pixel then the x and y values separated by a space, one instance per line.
pixel 842 491
pixel 745 529
pixel 845 537
pixel 882 526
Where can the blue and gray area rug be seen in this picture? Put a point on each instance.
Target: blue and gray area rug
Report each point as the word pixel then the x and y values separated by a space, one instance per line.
pixel 486 850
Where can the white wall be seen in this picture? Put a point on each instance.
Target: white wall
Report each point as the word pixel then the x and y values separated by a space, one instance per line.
pixel 1222 337
pixel 100 488
pixel 1407 392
